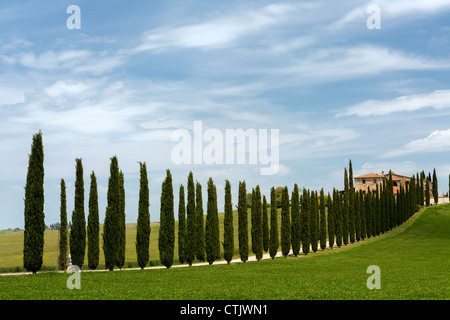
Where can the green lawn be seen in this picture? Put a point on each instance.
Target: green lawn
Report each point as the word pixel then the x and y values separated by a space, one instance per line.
pixel 414 260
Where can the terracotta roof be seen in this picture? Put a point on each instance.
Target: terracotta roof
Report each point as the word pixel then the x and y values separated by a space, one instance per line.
pixel 369 175
pixel 395 174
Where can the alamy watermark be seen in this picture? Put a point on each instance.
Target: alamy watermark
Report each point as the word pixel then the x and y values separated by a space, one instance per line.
pixel 234 146
pixel 74 281
pixel 374 20
pixel 374 281
pixel 74 20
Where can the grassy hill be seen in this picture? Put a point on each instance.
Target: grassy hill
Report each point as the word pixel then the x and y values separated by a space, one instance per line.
pixel 414 261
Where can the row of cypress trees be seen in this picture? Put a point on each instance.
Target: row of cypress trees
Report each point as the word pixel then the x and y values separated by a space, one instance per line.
pixel 114 233
pixel 307 219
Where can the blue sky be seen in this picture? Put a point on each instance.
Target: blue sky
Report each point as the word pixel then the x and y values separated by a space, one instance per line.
pixel 138 70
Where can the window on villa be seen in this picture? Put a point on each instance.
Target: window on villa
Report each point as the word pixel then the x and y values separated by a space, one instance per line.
pixel 364 181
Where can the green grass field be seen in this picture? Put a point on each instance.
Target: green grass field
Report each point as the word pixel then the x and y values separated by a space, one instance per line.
pixel 414 261
pixel 11 246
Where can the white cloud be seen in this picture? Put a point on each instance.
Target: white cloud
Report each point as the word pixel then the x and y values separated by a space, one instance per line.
pixel 436 141
pixel 60 88
pixel 216 33
pixel 336 64
pixel 11 95
pixel 439 99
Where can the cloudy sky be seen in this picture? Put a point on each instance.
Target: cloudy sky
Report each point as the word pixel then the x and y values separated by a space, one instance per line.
pixel 137 71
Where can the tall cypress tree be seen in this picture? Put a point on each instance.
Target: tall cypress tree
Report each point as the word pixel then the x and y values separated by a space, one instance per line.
pixel 121 239
pixel 337 208
pixel 323 221
pixel 314 221
pixel 265 222
pixel 362 214
pixel 191 234
pixel 143 223
pixel 391 201
pixel 93 228
pixel 285 223
pixel 427 192
pixel 295 214
pixel 62 258
pixel 243 222
pixel 345 210
pixel 110 226
pixel 181 225
pixel 199 224
pixel 257 227
pixel 305 221
pixel 378 211
pixel 274 239
pixel 357 213
pixel 33 245
pixel 78 228
pixel 368 204
pixel 228 235
pixel 351 205
pixel 330 222
pixel 435 187
pixel 422 192
pixel 166 240
pixel 212 242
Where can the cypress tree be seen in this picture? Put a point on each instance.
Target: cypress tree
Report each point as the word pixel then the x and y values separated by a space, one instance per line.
pixel 412 195
pixel 295 214
pixel 337 208
pixel 78 228
pixel 265 221
pixel 383 207
pixel 143 223
pixel 285 223
pixel 62 258
pixel 427 192
pixel 191 234
pixel 166 240
pixel 391 202
pixel 357 212
pixel 110 226
pixel 212 242
pixel 314 221
pixel 257 227
pixel 121 239
pixel 362 214
pixel 243 222
pixel 33 245
pixel 305 220
pixel 200 228
pixel 376 211
pixel 323 221
pixel 368 203
pixel 252 203
pixel 435 187
pixel 93 228
pixel 228 236
pixel 274 239
pixel 181 225
pixel 330 221
pixel 351 205
pixel 422 192
pixel 345 210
